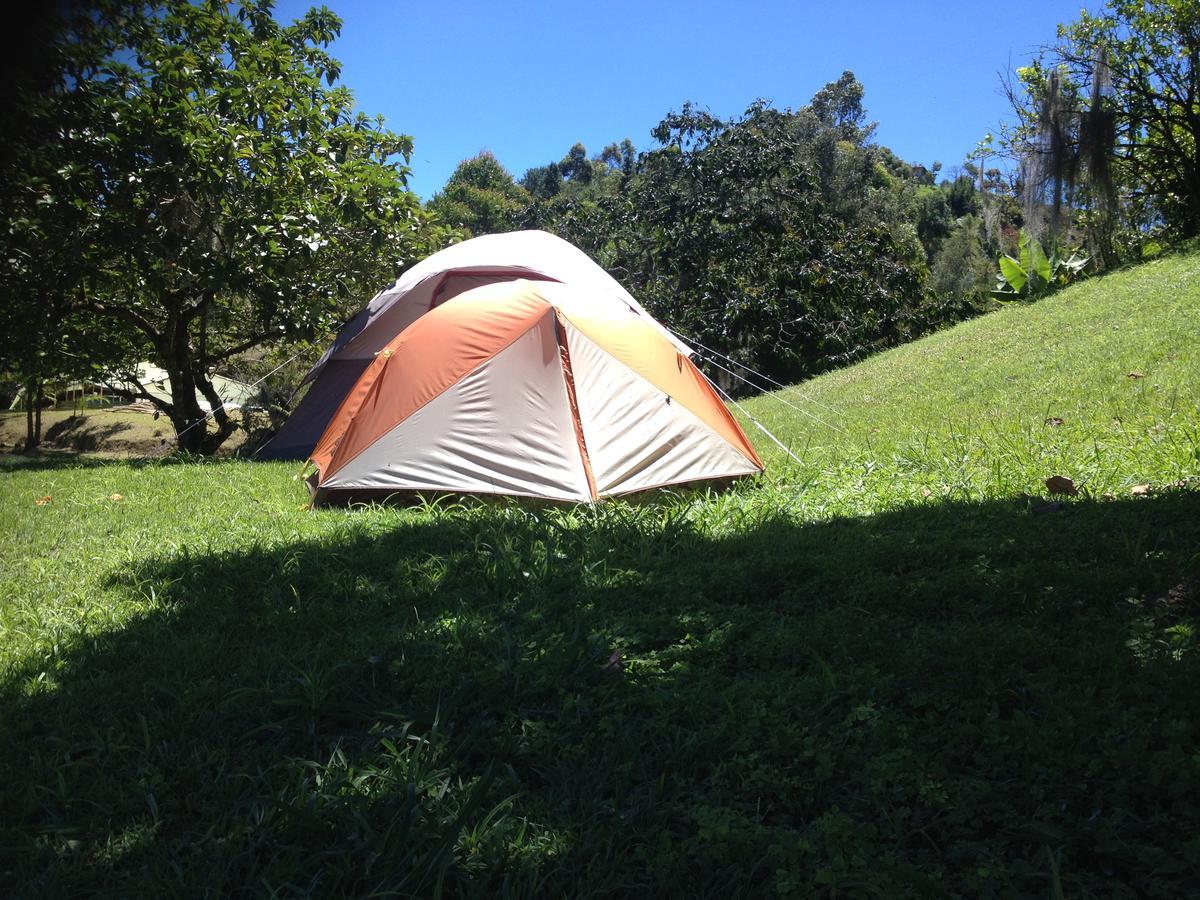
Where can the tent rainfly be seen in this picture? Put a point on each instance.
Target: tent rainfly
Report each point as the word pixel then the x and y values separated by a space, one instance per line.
pixel 533 255
pixel 531 388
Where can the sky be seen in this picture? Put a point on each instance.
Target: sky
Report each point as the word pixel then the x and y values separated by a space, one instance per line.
pixel 528 80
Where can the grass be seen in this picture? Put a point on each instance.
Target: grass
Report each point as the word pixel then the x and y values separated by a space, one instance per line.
pixel 994 406
pixel 888 670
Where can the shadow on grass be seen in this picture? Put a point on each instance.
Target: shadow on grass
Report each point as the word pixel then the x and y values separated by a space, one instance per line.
pixel 81 435
pixel 955 699
pixel 50 460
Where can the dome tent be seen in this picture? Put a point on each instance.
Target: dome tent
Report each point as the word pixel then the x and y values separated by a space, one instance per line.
pixel 529 388
pixel 493 258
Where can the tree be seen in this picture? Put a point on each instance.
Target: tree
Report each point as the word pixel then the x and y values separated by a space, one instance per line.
pixel 1109 118
pixel 48 226
pixel 543 182
pixel 481 197
pixel 962 272
pixel 235 198
pixel 580 178
pixel 724 234
pixel 1141 58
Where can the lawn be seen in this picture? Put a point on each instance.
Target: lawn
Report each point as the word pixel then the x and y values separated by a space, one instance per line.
pixel 894 668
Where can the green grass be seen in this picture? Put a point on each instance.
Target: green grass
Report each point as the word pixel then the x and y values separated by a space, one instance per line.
pixel 886 671
pixel 971 412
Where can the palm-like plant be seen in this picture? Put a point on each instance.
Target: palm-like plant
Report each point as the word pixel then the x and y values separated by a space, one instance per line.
pixel 1034 274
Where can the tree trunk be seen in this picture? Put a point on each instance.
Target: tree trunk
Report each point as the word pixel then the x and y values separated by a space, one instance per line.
pixel 33 421
pixel 225 424
pixel 186 414
pixel 185 367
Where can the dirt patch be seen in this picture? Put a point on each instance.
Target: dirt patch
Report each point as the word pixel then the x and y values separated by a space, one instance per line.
pixel 80 433
pixel 127 431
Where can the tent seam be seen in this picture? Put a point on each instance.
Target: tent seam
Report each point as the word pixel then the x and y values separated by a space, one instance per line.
pixel 757 465
pixel 573 401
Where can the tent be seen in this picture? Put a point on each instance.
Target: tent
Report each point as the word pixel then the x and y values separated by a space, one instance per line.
pixel 530 388
pixel 492 258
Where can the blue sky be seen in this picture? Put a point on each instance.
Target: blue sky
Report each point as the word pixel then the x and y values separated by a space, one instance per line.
pixel 527 80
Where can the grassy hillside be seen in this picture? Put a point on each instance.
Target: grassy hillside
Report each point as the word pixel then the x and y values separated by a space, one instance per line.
pixel 992 407
pixel 891 669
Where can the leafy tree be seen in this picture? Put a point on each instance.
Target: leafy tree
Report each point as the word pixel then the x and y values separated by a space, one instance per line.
pixel 580 177
pixel 543 182
pixel 961 271
pixel 234 197
pixel 620 157
pixel 934 219
pixel 839 106
pixel 724 234
pixel 963 197
pixel 1141 58
pixel 787 239
pixel 576 166
pixel 1108 125
pixel 48 225
pixel 481 197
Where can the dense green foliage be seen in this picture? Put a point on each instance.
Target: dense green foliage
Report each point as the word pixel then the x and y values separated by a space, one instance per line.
pixel 962 269
pixel 1150 53
pixel 480 197
pixel 884 671
pixel 1108 128
pixel 785 238
pixel 1035 273
pixel 222 192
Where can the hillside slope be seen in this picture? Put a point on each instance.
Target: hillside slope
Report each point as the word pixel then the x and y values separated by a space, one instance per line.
pixel 975 410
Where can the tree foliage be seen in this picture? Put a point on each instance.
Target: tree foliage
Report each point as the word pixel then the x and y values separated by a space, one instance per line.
pixel 232 196
pixel 962 271
pixel 480 197
pixel 740 233
pixel 1143 58
pixel 1108 127
pixel 48 226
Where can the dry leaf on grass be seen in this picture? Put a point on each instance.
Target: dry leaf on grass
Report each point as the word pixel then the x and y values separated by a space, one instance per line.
pixel 1140 490
pixel 926 492
pixel 1054 421
pixel 1060 484
pixel 1135 375
pixel 115 497
pixel 42 501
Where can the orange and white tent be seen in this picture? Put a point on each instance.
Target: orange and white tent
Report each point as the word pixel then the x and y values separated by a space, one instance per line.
pixel 529 388
pixel 437 279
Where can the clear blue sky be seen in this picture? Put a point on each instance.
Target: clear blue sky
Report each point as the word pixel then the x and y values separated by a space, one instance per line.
pixel 527 80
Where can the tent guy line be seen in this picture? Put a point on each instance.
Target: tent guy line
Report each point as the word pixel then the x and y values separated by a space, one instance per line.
pixel 756 373
pixel 762 390
pixel 761 427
